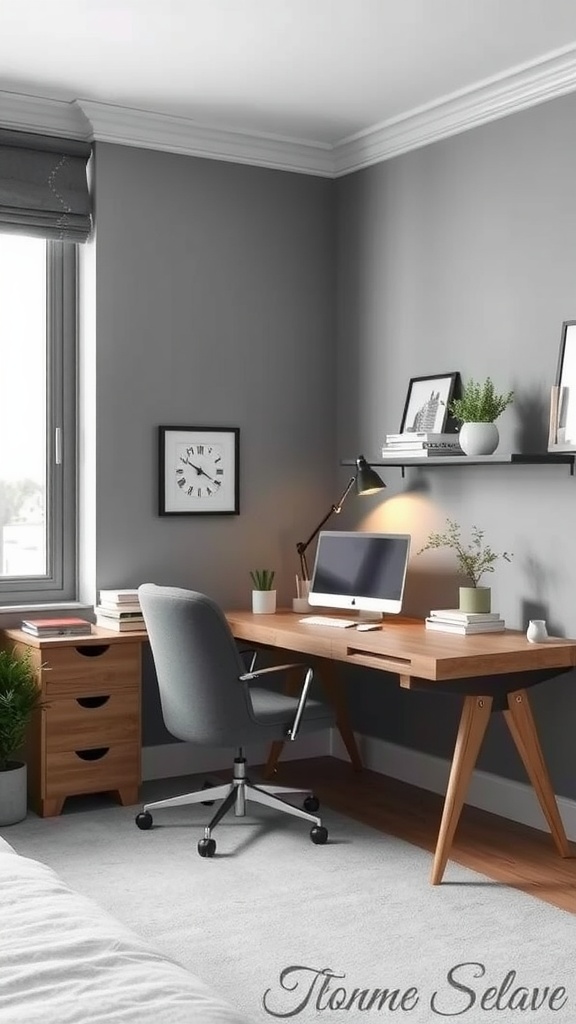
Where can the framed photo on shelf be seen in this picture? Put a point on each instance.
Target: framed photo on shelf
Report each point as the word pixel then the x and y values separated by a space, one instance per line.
pixel 198 471
pixel 562 432
pixel 427 401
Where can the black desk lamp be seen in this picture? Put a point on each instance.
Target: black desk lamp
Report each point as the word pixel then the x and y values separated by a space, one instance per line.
pixel 367 482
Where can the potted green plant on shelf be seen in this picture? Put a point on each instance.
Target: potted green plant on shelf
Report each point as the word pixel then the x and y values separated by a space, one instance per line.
pixel 263 593
pixel 476 410
pixel 474 560
pixel 19 698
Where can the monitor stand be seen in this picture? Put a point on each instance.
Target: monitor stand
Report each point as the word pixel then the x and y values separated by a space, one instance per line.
pixel 370 616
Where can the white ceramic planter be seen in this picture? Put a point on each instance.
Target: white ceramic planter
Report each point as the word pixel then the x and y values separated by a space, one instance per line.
pixel 479 438
pixel 537 632
pixel 475 599
pixel 13 802
pixel 263 602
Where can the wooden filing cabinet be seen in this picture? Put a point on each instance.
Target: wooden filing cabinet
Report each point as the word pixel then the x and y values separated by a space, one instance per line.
pixel 87 736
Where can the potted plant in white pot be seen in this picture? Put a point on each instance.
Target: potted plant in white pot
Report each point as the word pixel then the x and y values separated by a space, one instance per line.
pixel 263 594
pixel 476 410
pixel 19 698
pixel 474 560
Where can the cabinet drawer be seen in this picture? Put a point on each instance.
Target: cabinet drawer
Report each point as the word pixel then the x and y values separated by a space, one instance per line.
pixel 97 720
pixel 91 771
pixel 90 669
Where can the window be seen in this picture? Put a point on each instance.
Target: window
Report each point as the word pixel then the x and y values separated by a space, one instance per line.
pixel 37 420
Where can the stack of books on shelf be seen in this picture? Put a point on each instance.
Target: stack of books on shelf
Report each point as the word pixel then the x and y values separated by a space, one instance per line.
pixel 420 445
pixel 452 620
pixel 119 610
pixel 56 627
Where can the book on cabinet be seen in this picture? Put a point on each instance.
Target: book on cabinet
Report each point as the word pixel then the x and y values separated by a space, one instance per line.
pixel 119 625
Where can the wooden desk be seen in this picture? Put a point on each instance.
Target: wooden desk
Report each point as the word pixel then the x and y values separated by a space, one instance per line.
pixel 491 671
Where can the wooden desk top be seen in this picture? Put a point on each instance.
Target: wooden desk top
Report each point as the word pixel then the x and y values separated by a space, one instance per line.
pixel 406 647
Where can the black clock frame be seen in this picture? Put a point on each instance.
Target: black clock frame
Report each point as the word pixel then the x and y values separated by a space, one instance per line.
pixel 164 468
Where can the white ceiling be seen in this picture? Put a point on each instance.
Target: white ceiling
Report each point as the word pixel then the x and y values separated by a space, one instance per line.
pixel 328 84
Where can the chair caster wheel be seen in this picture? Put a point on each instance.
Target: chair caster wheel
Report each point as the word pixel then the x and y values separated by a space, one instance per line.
pixel 319 835
pixel 144 820
pixel 311 804
pixel 206 847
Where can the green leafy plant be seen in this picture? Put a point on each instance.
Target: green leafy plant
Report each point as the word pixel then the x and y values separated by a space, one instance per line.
pixel 19 698
pixel 263 579
pixel 475 558
pixel 479 403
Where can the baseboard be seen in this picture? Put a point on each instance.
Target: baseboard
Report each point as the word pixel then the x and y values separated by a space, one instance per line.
pixel 516 801
pixel 172 759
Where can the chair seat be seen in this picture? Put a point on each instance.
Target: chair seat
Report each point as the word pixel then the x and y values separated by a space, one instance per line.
pixel 273 708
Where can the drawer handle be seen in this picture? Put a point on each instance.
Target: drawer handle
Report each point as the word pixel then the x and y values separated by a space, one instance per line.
pixel 92 652
pixel 92 702
pixel 95 754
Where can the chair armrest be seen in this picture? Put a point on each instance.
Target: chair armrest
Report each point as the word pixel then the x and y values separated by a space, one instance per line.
pixel 292 730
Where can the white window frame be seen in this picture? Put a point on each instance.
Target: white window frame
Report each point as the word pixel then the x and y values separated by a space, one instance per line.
pixel 60 582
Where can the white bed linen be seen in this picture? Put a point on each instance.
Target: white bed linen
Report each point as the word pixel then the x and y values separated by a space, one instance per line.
pixel 64 960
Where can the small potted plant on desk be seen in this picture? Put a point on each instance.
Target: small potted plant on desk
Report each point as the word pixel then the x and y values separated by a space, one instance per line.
pixel 477 409
pixel 19 698
pixel 263 594
pixel 474 559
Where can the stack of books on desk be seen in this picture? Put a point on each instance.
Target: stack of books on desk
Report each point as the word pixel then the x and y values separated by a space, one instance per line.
pixel 452 620
pixel 56 627
pixel 119 610
pixel 420 445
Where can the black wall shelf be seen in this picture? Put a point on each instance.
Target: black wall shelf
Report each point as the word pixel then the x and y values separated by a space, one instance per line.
pixel 541 458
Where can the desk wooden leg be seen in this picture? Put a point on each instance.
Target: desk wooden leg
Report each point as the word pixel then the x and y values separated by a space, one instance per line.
pixel 292 688
pixel 522 727
pixel 473 722
pixel 334 690
pixel 276 748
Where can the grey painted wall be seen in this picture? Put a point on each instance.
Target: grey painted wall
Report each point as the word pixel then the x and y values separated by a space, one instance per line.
pixel 213 291
pixel 462 256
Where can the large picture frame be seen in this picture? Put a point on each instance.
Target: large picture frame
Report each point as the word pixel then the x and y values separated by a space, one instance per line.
pixel 562 435
pixel 198 471
pixel 427 401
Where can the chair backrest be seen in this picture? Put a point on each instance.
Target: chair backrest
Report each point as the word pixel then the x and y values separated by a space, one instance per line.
pixel 197 666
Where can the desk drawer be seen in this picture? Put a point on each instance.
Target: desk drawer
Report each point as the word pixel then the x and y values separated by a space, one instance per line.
pixel 87 670
pixel 90 721
pixel 91 770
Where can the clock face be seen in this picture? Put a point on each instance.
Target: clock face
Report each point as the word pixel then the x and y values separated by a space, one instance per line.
pixel 198 470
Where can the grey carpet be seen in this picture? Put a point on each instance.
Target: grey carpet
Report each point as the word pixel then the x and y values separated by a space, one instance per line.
pixel 360 906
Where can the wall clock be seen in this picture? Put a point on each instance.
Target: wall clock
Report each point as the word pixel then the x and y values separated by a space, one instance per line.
pixel 199 471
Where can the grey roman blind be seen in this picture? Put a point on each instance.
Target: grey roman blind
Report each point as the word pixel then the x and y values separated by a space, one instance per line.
pixel 44 187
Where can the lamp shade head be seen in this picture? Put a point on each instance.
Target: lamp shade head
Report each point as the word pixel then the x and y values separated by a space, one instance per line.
pixel 367 479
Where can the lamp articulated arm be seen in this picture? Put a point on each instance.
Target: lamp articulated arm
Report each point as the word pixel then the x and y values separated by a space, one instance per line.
pixel 302 546
pixel 367 482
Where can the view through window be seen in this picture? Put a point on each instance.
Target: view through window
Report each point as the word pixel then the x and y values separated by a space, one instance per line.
pixel 23 407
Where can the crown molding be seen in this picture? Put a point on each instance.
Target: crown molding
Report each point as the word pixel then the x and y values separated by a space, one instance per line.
pixel 128 127
pixel 36 114
pixel 518 89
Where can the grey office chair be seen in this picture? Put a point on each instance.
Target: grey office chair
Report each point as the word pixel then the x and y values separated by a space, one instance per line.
pixel 208 697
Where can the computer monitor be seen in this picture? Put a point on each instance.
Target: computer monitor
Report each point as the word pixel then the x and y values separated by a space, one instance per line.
pixel 360 571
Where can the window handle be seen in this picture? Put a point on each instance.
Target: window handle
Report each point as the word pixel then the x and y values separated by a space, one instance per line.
pixel 58 446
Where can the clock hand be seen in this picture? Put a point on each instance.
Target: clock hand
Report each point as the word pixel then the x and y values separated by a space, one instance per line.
pixel 197 468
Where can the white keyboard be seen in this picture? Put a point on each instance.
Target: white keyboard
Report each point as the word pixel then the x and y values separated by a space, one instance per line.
pixel 328 620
